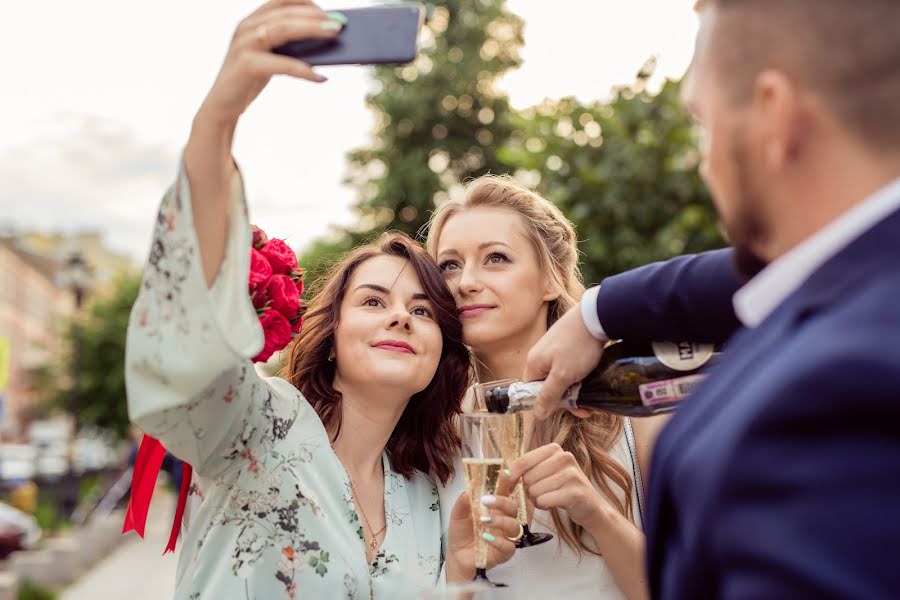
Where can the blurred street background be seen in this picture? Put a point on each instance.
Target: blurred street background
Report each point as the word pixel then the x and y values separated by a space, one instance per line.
pixel 578 99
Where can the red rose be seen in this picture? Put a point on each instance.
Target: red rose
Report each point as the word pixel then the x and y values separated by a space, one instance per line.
pixel 260 269
pixel 260 298
pixel 281 257
pixel 296 325
pixel 277 330
pixel 259 237
pixel 283 293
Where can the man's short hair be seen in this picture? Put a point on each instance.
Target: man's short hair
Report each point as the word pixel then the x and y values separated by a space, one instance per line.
pixel 846 51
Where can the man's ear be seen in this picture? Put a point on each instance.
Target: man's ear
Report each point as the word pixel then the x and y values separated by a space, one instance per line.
pixel 780 121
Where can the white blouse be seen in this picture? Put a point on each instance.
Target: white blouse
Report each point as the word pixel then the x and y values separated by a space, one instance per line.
pixel 553 569
pixel 273 515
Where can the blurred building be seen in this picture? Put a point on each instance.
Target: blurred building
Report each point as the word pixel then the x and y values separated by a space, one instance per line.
pixel 35 301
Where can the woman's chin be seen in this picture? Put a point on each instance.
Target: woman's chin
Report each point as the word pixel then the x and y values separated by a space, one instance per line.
pixel 482 335
pixel 400 378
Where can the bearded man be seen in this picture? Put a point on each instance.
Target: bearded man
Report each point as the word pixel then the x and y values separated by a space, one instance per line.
pixel 778 477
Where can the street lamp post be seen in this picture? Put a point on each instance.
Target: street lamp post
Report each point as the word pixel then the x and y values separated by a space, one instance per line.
pixel 77 276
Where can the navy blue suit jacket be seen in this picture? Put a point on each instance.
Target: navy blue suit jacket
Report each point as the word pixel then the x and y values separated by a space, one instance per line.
pixel 780 476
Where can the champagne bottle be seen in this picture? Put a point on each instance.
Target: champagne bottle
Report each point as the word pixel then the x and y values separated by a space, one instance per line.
pixel 633 379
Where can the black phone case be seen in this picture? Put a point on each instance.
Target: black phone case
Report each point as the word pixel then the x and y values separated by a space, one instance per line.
pixel 375 35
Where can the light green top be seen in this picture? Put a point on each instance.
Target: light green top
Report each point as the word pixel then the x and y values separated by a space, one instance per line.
pixel 272 514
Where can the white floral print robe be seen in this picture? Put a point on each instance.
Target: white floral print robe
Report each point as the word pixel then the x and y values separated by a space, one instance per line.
pixel 272 514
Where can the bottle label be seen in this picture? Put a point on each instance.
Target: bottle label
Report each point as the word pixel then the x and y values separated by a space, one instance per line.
pixel 668 390
pixel 683 356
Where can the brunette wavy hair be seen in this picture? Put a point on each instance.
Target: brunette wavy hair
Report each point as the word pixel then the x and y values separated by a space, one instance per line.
pixel 425 437
pixel 553 238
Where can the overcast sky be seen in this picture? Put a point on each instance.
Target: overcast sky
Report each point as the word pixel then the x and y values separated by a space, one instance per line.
pixel 98 95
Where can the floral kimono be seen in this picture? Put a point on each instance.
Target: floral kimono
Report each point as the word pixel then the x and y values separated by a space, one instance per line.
pixel 272 513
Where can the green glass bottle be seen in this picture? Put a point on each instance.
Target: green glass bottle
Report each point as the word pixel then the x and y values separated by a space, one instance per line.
pixel 634 379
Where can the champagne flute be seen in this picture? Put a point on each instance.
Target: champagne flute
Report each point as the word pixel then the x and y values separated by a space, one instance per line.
pixel 513 447
pixel 482 435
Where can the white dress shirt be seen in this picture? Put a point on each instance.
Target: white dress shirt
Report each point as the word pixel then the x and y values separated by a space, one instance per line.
pixel 786 274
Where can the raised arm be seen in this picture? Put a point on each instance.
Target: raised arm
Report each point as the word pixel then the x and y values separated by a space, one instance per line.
pixel 248 67
pixel 193 328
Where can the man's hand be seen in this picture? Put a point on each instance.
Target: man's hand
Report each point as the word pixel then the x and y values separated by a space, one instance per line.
pixel 563 357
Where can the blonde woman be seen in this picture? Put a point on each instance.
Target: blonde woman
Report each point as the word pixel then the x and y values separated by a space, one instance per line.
pixel 511 261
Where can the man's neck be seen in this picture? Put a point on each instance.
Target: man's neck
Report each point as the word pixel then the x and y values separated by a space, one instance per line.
pixel 367 422
pixel 838 183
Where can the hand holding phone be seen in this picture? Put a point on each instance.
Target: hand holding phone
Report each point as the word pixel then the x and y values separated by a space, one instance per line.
pixel 374 35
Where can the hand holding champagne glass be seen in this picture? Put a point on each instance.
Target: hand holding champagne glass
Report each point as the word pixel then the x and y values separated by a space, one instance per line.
pixel 482 439
pixel 513 446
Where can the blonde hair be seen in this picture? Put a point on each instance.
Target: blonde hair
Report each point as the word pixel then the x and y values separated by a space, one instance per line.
pixel 553 238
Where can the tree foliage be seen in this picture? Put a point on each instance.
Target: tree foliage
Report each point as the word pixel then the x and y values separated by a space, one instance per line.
pixel 440 120
pixel 623 170
pixel 88 381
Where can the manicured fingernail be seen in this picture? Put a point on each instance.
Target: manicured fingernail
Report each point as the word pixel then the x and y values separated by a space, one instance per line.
pixel 331 25
pixel 486 518
pixel 488 537
pixel 507 472
pixel 338 16
pixel 489 500
pixel 319 78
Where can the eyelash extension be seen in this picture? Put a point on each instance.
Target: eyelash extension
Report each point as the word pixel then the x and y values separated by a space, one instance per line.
pixel 428 311
pixel 498 254
pixel 443 266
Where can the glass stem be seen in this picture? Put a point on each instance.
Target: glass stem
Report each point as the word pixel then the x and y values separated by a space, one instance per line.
pixel 523 506
pixel 481 548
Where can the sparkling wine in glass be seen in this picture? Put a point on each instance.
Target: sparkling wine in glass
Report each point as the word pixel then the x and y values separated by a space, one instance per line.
pixel 482 437
pixel 512 448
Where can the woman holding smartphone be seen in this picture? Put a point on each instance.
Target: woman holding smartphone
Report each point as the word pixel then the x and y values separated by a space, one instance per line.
pixel 320 483
pixel 511 261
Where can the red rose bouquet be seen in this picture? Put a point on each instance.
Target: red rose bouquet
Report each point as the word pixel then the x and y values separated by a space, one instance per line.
pixel 275 285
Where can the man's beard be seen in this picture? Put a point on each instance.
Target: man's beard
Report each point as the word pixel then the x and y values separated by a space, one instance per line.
pixel 748 227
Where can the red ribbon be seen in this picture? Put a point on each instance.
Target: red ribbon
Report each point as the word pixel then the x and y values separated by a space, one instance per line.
pixel 143 481
pixel 186 472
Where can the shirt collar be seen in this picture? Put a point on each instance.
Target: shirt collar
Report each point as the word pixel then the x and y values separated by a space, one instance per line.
pixel 754 302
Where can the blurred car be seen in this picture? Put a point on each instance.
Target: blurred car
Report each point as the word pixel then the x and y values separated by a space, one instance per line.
pixel 18 530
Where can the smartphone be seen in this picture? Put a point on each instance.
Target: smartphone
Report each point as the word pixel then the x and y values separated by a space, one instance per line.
pixel 376 35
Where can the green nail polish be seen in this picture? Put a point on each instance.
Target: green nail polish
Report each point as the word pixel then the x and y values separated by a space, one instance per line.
pixel 488 537
pixel 338 16
pixel 507 472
